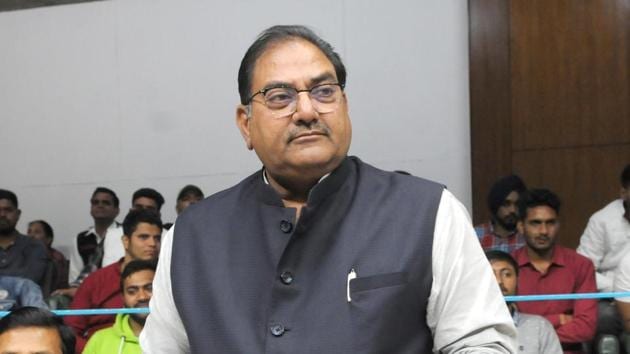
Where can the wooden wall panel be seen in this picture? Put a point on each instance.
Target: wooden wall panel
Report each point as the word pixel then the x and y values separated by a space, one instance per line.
pixel 569 63
pixel 489 97
pixel 585 179
pixel 567 127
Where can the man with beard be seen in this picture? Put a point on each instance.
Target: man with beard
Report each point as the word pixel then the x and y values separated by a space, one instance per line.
pixel 546 268
pixel 500 232
pixel 20 255
pixel 136 285
pixel 141 241
pixel 535 334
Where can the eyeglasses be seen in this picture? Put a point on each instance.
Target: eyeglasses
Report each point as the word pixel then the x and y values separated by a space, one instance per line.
pixel 281 100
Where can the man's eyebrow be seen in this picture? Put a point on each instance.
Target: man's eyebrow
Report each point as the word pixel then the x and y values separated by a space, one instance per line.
pixel 327 76
pixel 275 84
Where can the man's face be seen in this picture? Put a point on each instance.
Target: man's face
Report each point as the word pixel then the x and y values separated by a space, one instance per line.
pixel 103 207
pixel 540 227
pixel 36 231
pixel 186 201
pixel 145 203
pixel 137 291
pixel 507 214
pixel 29 340
pixel 306 142
pixel 506 276
pixel 9 216
pixel 144 242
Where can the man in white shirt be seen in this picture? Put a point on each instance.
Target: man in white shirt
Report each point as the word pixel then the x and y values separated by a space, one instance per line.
pixel 622 284
pixel 319 252
pixel 606 240
pixel 98 246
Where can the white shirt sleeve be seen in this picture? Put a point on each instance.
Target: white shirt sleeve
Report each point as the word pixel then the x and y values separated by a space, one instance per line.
pixel 164 331
pixel 622 278
pixel 113 249
pixel 593 246
pixel 466 310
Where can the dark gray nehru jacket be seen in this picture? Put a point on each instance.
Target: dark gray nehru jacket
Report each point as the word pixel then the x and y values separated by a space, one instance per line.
pixel 248 279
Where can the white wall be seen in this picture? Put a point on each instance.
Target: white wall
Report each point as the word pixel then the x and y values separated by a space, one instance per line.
pixel 130 93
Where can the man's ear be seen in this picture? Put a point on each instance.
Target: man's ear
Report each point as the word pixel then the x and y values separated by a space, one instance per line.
pixel 521 227
pixel 125 241
pixel 242 122
pixel 624 193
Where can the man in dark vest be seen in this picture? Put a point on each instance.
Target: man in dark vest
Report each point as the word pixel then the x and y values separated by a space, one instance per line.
pixel 319 252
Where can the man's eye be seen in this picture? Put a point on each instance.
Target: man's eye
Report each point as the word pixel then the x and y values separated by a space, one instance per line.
pixel 325 91
pixel 278 96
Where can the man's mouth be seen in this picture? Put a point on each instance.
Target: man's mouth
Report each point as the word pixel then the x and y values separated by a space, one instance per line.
pixel 542 239
pixel 308 134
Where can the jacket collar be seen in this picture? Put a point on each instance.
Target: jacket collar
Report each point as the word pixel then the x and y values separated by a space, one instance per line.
pixel 326 186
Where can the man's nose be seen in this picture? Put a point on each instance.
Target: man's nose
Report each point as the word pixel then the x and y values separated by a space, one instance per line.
pixel 144 295
pixel 304 109
pixel 544 229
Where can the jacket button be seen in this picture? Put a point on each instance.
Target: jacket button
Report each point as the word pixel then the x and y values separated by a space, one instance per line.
pixel 286 226
pixel 277 330
pixel 286 278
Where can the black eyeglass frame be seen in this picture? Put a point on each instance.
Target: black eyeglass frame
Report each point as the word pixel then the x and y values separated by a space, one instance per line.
pixel 263 91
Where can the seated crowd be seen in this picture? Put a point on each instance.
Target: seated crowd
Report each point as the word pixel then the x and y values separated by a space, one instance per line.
pixel 112 265
pixel 525 224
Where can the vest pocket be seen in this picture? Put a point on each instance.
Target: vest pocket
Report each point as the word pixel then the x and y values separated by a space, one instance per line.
pixel 377 281
pixel 383 313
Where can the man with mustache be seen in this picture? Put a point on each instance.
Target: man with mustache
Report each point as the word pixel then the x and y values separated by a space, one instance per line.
pixel 20 255
pixel 95 247
pixel 319 252
pixel 500 232
pixel 547 268
pixel 535 334
pixel 136 286
pixel 142 231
